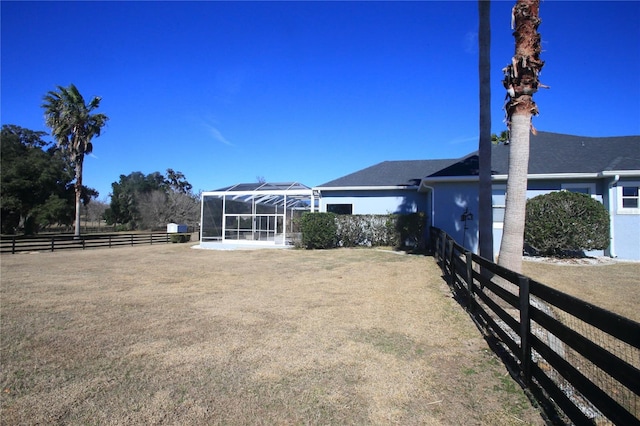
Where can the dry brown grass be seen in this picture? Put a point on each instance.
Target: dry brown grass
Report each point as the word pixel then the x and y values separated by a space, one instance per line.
pixel 611 286
pixel 167 334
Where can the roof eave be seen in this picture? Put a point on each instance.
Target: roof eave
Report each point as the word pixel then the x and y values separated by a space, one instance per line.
pixel 364 188
pixel 544 176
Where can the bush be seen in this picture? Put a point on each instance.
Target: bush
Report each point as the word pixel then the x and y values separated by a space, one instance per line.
pixel 562 222
pixel 179 238
pixel 410 228
pixel 366 230
pixel 318 230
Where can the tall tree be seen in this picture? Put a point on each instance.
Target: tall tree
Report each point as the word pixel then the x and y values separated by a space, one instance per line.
pixel 176 181
pixel 485 211
pixel 153 200
pixel 521 82
pixel 35 187
pixel 73 125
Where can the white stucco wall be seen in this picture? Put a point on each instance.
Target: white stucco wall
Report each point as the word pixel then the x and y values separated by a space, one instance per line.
pixel 376 202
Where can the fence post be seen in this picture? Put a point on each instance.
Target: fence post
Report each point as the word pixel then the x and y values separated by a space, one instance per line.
pixel 525 329
pixel 450 261
pixel 13 245
pixel 469 261
pixel 109 241
pixel 443 241
pixel 52 243
pixel 132 239
pixel 151 238
pixel 83 242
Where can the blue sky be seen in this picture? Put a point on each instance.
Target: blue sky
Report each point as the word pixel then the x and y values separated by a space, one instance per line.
pixel 305 91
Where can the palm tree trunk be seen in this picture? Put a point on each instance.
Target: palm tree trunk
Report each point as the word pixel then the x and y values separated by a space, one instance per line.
pixel 78 190
pixel 513 230
pixel 521 82
pixel 485 210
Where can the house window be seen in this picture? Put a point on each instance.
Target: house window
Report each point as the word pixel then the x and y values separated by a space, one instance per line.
pixel 340 208
pixel 629 198
pixel 498 199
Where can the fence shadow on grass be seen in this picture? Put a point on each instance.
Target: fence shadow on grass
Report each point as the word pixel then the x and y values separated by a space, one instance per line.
pixel 579 362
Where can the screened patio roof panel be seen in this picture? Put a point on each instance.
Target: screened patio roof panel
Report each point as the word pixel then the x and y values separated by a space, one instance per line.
pixel 264 187
pixel 266 193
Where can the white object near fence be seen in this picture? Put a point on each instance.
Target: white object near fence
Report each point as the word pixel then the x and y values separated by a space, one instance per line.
pixel 174 228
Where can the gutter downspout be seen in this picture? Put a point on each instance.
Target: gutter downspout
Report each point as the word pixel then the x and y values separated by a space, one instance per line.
pixel 612 252
pixel 433 209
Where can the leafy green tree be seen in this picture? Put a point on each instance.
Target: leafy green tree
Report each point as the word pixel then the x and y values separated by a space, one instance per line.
pixel 503 137
pixel 73 125
pixel 125 193
pixel 149 201
pixel 177 182
pixel 36 187
pixel 563 221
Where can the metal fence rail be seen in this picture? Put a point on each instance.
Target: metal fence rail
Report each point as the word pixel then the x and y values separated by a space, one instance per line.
pixel 581 362
pixel 17 244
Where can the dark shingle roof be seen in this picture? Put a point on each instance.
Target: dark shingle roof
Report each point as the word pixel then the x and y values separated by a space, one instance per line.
pixel 557 153
pixel 549 153
pixel 391 173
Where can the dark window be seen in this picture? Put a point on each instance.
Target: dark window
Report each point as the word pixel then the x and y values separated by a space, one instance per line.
pixel 630 197
pixel 340 208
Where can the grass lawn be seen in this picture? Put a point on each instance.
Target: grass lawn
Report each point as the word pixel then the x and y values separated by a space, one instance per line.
pixel 168 334
pixel 614 286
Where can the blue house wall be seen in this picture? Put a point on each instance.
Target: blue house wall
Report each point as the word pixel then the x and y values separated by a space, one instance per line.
pixel 446 189
pixel 445 203
pixel 626 223
pixel 450 201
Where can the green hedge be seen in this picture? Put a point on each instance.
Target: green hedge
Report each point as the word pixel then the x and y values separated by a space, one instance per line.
pixel 318 230
pixel 179 238
pixel 562 222
pixel 410 229
pixel 327 230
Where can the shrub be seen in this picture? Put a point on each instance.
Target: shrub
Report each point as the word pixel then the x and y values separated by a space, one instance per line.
pixel 561 222
pixel 179 238
pixel 366 230
pixel 404 230
pixel 410 228
pixel 318 230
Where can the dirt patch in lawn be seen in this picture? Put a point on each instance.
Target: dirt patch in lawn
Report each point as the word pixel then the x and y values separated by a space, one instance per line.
pixel 168 334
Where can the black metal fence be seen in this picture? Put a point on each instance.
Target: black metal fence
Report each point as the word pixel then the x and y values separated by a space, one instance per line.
pixel 579 361
pixel 17 244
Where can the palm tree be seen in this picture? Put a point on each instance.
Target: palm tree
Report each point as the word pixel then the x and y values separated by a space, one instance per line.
pixel 521 82
pixel 73 125
pixel 485 211
pixel 502 138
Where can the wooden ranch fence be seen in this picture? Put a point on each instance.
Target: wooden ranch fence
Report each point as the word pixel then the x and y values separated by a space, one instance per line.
pixel 16 244
pixel 579 361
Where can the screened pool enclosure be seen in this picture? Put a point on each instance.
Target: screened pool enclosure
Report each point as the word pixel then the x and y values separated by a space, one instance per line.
pixel 254 213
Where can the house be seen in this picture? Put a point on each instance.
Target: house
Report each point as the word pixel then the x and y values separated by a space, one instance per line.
pixel 607 168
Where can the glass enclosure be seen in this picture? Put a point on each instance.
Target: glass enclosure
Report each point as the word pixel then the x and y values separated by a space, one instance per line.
pixel 264 213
